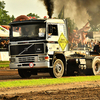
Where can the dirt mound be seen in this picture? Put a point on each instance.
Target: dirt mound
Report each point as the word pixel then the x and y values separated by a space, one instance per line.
pixel 66 94
pixel 69 91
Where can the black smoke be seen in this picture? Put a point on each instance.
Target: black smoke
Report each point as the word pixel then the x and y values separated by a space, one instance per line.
pixel 81 11
pixel 92 9
pixel 49 4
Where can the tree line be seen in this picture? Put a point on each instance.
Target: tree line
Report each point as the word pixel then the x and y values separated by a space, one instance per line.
pixel 5 19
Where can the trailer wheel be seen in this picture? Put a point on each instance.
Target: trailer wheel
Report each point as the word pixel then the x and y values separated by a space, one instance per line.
pixel 24 73
pixel 58 69
pixel 96 66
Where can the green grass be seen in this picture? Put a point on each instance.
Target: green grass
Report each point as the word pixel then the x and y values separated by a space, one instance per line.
pixel 39 82
pixel 4 64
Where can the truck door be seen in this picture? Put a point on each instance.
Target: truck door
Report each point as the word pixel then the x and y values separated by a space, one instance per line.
pixel 52 38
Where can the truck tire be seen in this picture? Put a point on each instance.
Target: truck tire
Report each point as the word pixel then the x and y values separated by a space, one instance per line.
pixel 96 66
pixel 58 69
pixel 24 73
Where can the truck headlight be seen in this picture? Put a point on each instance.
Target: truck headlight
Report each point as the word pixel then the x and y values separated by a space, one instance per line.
pixel 87 53
pixel 12 60
pixel 41 58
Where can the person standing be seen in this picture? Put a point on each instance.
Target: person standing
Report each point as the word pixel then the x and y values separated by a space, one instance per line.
pixel 97 48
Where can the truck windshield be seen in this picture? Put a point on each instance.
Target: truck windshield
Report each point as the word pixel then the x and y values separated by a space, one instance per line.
pixel 27 32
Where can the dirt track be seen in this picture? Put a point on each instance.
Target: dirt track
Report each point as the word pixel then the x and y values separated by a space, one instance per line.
pixel 13 75
pixel 69 91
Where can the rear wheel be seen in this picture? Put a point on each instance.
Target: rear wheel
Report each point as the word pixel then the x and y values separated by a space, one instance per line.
pixel 58 69
pixel 96 66
pixel 24 73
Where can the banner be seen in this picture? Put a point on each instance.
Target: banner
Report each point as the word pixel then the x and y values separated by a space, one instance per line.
pixel 61 14
pixel 4 56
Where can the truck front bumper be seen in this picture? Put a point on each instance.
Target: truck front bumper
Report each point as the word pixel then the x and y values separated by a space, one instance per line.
pixel 29 65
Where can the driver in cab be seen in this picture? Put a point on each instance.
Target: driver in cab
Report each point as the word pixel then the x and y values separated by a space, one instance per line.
pixel 26 31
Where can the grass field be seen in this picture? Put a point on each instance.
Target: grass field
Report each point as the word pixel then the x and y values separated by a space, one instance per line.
pixel 4 64
pixel 39 82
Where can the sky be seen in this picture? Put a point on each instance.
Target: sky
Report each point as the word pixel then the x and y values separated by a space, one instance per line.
pixel 24 7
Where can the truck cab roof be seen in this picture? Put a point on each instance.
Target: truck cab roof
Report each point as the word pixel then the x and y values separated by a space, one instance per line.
pixel 60 21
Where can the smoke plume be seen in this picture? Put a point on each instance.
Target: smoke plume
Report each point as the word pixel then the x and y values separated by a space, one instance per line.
pixel 49 6
pixel 81 11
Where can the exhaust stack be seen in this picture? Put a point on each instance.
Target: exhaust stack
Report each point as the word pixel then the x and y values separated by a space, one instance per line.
pixel 49 4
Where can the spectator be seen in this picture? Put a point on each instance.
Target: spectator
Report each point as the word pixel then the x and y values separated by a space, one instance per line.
pixel 92 44
pixel 95 42
pixel 7 44
pixel 2 45
pixel 97 48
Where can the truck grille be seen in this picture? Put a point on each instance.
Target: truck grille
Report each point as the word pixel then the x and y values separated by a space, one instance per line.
pixel 27 49
pixel 27 59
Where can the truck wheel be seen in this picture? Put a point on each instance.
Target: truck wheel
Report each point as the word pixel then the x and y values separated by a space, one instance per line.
pixel 24 73
pixel 96 66
pixel 58 69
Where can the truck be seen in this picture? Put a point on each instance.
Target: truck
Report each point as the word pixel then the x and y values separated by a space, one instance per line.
pixel 41 45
